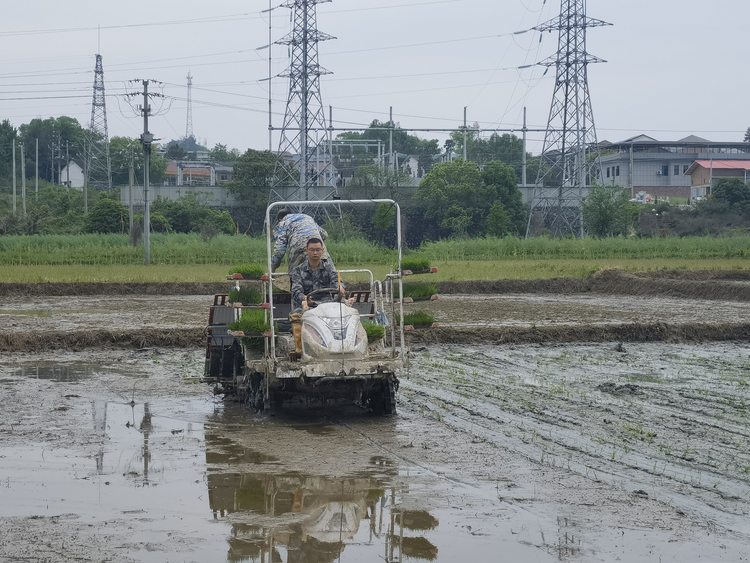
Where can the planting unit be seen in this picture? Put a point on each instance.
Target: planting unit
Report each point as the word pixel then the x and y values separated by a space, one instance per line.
pixel 338 364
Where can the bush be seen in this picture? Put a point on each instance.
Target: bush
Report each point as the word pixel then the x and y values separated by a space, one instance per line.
pixel 107 216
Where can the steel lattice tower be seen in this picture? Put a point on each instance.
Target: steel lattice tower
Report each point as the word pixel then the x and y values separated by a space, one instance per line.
pixel 189 127
pixel 570 154
pixel 98 165
pixel 304 147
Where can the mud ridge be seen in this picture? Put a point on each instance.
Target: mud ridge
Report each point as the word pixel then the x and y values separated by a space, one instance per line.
pixel 692 284
pixel 55 289
pixel 631 332
pixel 79 340
pixel 194 336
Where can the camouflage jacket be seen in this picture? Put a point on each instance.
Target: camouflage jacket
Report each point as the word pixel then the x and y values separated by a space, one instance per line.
pixel 305 280
pixel 292 234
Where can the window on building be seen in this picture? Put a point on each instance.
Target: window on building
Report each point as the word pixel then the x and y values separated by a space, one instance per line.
pixel 676 169
pixel 617 170
pixel 607 171
pixel 684 168
pixel 665 170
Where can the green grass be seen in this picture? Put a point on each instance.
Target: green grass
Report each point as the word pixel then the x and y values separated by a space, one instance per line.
pixel 373 330
pixel 178 257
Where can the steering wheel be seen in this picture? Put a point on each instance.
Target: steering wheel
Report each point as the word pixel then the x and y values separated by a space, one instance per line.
pixel 329 290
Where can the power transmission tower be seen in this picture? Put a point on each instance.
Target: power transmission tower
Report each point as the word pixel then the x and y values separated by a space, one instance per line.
pixel 98 168
pixel 570 154
pixel 304 169
pixel 189 127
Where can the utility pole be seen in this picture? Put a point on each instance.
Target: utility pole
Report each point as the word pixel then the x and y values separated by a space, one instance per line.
pixel 67 164
pixel 390 145
pixel 14 175
pixel 146 140
pixel 130 188
pixel 523 156
pixel 464 133
pixel 36 177
pixel 23 180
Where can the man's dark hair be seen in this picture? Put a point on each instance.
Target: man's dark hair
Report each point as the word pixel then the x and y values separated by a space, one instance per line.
pixel 283 213
pixel 313 241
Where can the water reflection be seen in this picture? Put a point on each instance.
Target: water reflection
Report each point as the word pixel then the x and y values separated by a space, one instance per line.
pixel 290 517
pixel 59 373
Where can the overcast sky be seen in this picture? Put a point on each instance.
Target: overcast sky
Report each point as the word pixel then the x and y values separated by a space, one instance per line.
pixel 674 67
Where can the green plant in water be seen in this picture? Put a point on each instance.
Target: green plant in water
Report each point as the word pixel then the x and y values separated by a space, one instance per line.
pixel 246 296
pixel 373 330
pixel 248 270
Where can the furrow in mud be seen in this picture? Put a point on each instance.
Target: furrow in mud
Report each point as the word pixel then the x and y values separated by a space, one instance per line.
pixel 599 411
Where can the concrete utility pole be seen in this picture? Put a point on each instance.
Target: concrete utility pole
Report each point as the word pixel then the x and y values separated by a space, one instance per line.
pixel 390 142
pixel 14 175
pixel 130 188
pixel 23 179
pixel 67 164
pixel 36 176
pixel 146 140
pixel 523 156
pixel 464 133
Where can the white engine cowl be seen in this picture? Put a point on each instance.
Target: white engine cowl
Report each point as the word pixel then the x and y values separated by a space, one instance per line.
pixel 331 331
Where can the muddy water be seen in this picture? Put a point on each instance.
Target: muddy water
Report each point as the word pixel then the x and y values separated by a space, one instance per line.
pixel 661 421
pixel 190 478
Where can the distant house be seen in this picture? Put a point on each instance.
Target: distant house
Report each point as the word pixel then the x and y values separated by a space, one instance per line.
pixel 705 173
pixel 642 163
pixel 71 175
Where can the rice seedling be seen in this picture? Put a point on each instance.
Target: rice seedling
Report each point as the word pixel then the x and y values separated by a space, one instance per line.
pixel 415 264
pixel 374 330
pixel 418 318
pixel 417 290
pixel 248 270
pixel 253 324
pixel 246 296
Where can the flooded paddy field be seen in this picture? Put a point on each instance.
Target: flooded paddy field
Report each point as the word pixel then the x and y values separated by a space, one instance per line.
pixel 560 429
pixel 588 452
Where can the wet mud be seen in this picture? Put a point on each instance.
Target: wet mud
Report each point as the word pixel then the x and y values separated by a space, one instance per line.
pixel 535 453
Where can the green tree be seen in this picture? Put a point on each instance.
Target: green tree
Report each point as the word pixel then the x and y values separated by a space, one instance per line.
pixel 498 221
pixel 7 137
pixel 734 193
pixel 120 151
pixel 220 153
pixel 606 211
pixel 503 178
pixel 375 180
pixel 54 135
pixel 747 135
pixel 107 216
pixel 455 197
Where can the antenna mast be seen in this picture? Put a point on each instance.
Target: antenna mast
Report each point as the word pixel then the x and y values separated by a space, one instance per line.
pixel 189 127
pixel 570 154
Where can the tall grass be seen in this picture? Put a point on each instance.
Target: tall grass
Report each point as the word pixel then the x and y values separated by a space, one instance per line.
pixel 186 249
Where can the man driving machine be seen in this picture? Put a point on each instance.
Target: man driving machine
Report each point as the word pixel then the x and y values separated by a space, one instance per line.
pixel 313 274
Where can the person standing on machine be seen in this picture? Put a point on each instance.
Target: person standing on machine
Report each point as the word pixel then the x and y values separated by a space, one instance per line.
pixel 292 234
